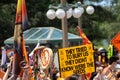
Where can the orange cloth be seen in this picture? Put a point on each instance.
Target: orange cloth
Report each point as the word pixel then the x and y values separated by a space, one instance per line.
pixel 2 73
pixel 88 75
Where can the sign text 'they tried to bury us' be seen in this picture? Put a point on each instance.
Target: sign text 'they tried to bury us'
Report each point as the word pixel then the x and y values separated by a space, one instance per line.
pixel 78 59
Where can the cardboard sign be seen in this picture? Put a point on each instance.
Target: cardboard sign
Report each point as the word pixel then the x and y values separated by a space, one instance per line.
pixel 46 57
pixel 78 59
pixel 116 41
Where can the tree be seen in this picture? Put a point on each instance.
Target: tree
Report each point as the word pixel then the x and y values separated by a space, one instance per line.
pixel 111 28
pixel 101 21
pixel 6 21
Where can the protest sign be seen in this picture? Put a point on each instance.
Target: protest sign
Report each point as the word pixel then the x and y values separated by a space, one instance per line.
pixel 46 57
pixel 78 59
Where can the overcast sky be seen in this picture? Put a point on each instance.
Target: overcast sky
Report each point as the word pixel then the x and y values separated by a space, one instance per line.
pixel 102 3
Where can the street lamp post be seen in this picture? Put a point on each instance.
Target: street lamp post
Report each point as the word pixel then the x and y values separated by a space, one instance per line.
pixel 65 11
pixel 64 28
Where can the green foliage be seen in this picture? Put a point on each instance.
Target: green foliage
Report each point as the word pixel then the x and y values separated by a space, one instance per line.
pixel 6 21
pixel 73 30
pixel 103 24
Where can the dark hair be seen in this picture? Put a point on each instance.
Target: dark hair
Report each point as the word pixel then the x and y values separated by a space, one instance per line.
pixel 118 75
pixel 74 77
pixel 93 75
pixel 113 59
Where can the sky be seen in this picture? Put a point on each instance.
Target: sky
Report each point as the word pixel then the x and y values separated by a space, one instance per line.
pixel 102 3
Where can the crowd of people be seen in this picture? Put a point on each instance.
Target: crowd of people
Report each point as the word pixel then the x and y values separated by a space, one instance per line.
pixel 105 69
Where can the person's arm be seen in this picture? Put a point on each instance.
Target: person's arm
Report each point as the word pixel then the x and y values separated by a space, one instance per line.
pixel 26 73
pixel 11 78
pixel 25 76
pixel 7 72
pixel 97 77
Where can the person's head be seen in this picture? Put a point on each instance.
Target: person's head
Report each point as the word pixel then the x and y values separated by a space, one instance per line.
pixel 99 69
pixel 118 76
pixel 10 54
pixel 3 67
pixel 113 60
pixel 74 77
pixel 118 54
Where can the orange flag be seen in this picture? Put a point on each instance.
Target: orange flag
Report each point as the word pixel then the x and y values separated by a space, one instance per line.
pixel 25 53
pixel 82 34
pixel 85 41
